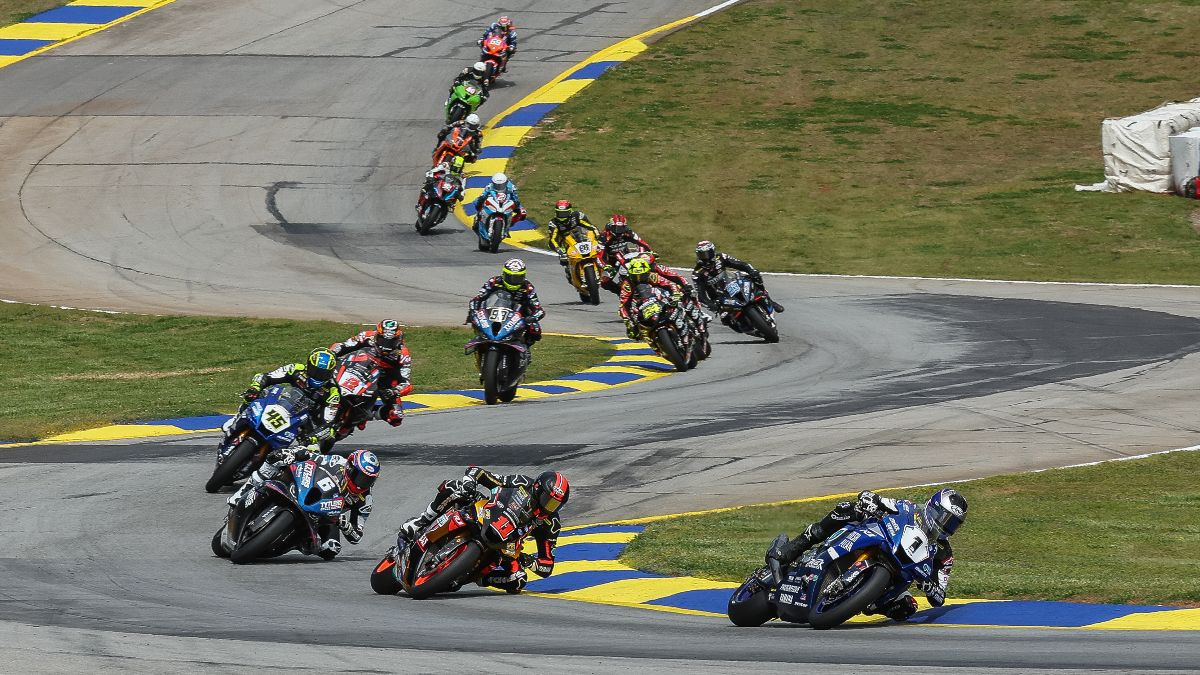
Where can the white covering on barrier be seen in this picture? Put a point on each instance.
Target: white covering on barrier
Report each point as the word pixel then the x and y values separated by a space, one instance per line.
pixel 1137 152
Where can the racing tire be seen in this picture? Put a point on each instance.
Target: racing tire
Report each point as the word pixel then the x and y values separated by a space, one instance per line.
pixel 483 245
pixel 666 342
pixel 877 581
pixel 508 395
pixel 443 579
pixel 223 474
pixel 754 314
pixel 429 217
pixel 491 377
pixel 456 113
pixel 752 610
pixel 497 235
pixel 383 577
pixel 593 285
pixel 264 540
pixel 217 549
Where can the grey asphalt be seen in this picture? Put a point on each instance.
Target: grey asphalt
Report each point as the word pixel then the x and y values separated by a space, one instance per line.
pixel 262 159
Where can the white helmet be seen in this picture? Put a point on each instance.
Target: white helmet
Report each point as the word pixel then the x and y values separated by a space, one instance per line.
pixel 480 67
pixel 500 180
pixel 473 121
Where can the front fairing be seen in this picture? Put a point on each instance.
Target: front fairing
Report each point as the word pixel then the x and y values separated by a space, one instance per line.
pixel 317 489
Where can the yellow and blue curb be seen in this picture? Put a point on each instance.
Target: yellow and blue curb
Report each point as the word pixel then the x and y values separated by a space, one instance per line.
pixel 55 27
pixel 503 133
pixel 588 569
pixel 630 363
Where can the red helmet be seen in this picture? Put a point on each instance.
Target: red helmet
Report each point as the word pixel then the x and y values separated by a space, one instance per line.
pixel 618 224
pixel 505 23
pixel 551 491
pixel 562 208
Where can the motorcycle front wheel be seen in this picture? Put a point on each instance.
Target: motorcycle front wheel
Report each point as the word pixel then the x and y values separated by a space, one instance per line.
pixel 593 285
pixel 869 590
pixel 491 377
pixel 261 542
pixel 666 343
pixel 749 605
pixel 497 235
pixel 442 576
pixel 235 460
pixel 764 327
pixel 383 577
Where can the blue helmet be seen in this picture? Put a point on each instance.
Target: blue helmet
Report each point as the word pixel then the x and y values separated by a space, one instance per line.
pixel 321 363
pixel 362 468
pixel 944 513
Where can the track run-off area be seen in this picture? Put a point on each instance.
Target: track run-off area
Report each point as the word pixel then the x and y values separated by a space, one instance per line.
pixel 263 159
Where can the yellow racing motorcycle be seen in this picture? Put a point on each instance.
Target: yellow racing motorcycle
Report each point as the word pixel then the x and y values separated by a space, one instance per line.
pixel 583 263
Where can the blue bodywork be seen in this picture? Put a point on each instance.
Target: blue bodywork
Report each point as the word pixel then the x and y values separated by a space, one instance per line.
pixel 278 415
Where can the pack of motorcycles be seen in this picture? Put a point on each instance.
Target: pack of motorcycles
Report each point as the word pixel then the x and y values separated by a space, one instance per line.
pixel 855 568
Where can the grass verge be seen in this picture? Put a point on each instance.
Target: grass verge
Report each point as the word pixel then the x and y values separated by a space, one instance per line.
pixel 1118 532
pixel 13 11
pixel 934 138
pixel 66 370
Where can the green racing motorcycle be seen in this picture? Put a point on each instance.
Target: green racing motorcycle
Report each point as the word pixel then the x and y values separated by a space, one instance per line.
pixel 464 100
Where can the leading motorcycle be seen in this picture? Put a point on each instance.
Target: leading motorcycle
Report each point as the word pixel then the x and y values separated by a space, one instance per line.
pixel 501 353
pixel 280 415
pixel 858 568
pixel 458 547
pixel 494 55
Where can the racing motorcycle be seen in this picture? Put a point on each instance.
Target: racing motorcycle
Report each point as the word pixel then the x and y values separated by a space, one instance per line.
pixel 458 547
pixel 456 143
pixel 282 514
pixel 501 353
pixel 494 219
pixel 463 100
pixel 583 263
pixel 664 324
pixel 437 199
pixel 494 55
pixel 615 270
pixel 280 415
pixel 749 310
pixel 357 377
pixel 858 568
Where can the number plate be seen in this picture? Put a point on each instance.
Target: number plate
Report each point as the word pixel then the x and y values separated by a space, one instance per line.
pixel 276 418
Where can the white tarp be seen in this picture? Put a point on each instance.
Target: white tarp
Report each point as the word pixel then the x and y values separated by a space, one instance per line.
pixel 1137 150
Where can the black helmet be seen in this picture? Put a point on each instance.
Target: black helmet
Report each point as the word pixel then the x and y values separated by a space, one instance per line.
pixel 388 336
pixel 550 491
pixel 706 251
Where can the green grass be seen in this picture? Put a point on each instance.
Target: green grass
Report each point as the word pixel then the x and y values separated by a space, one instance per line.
pixel 1118 532
pixel 67 370
pixel 934 138
pixel 13 11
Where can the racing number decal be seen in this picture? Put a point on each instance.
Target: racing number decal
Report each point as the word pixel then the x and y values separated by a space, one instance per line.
pixel 326 484
pixel 275 418
pixel 914 543
pixel 503 526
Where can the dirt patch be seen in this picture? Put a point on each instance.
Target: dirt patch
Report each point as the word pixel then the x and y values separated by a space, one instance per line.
pixel 137 375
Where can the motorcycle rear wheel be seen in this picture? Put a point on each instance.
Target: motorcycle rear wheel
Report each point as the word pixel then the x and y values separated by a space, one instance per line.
pixel 867 592
pixel 223 474
pixel 666 342
pixel 217 549
pixel 443 579
pixel 756 317
pixel 753 610
pixel 383 577
pixel 266 539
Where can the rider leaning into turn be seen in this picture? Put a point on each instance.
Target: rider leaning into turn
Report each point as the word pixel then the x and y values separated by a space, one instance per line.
pixel 470 126
pixel 476 74
pixel 386 343
pixel 512 279
pixel 940 517
pixel 503 27
pixel 566 218
pixel 549 492
pixel 356 474
pixel 314 377
pixel 501 183
pixel 640 272
pixel 616 232
pixel 709 264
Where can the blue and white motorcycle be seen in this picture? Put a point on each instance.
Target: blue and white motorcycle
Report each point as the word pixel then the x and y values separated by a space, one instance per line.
pixel 494 219
pixel 280 415
pixel 858 568
pixel 749 310
pixel 501 353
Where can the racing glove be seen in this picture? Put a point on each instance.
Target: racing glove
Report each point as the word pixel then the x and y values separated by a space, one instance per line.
pixel 352 531
pixel 251 393
pixel 873 504
pixel 631 330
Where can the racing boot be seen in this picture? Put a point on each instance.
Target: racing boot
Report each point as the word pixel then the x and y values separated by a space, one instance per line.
pixel 413 526
pixel 508 576
pixel 904 606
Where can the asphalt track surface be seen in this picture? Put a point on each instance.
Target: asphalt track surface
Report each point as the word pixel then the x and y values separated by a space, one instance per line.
pixel 262 158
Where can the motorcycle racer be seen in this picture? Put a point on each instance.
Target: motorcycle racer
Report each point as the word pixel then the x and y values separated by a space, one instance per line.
pixel 314 377
pixel 476 74
pixel 940 517
pixel 470 126
pixel 386 343
pixel 505 28
pixel 501 183
pixel 566 218
pixel 549 492
pixel 356 475
pixel 616 233
pixel 709 264
pixel 640 272
pixel 512 279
